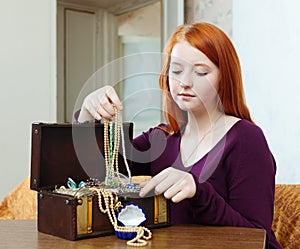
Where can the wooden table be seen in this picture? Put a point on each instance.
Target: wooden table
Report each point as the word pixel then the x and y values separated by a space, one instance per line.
pixel 23 234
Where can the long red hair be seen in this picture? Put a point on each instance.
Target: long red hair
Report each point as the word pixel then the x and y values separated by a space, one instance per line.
pixel 216 45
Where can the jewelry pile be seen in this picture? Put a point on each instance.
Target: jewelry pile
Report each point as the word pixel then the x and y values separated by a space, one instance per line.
pixel 131 216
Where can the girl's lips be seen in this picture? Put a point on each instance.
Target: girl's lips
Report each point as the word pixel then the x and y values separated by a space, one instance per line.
pixel 186 95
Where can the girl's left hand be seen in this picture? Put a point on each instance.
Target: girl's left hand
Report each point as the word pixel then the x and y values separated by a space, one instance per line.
pixel 175 184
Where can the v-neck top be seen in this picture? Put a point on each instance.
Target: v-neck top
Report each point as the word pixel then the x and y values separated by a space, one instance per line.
pixel 235 180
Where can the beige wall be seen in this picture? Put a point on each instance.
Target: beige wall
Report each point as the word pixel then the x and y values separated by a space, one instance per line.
pixel 267 35
pixel 28 86
pixel 218 12
pixel 141 22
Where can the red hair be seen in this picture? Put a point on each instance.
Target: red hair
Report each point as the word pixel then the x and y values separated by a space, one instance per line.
pixel 216 45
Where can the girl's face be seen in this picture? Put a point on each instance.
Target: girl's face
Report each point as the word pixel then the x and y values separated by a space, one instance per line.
pixel 193 79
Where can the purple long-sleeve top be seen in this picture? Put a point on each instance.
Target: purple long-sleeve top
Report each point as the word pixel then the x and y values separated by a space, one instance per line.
pixel 235 181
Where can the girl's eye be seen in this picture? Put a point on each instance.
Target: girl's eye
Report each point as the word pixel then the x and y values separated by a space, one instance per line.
pixel 200 74
pixel 176 71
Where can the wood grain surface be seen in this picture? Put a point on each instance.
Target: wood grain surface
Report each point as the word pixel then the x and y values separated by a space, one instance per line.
pixel 23 234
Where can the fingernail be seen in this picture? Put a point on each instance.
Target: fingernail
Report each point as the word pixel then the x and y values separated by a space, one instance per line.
pixel 142 193
pixel 97 116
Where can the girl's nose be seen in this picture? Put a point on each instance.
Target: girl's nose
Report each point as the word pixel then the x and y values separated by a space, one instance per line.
pixel 185 83
pixel 186 80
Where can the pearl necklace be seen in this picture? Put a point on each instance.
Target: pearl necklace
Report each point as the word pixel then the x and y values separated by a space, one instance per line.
pixel 111 148
pixel 108 203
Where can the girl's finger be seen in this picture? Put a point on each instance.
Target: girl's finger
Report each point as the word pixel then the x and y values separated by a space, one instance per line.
pixel 152 184
pixel 179 196
pixel 113 98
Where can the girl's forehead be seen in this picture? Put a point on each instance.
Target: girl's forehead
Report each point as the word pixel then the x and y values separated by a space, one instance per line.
pixel 184 53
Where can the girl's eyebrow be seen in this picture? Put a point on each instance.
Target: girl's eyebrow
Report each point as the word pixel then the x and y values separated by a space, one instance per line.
pixel 196 64
pixel 201 65
pixel 176 63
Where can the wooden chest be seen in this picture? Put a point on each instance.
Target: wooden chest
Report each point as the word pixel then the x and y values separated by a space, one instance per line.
pixel 62 151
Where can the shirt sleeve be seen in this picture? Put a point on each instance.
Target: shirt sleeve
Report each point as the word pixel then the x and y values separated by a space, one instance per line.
pixel 250 186
pixel 75 117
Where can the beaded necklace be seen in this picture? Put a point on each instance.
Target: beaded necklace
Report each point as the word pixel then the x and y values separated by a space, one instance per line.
pixel 107 201
pixel 111 148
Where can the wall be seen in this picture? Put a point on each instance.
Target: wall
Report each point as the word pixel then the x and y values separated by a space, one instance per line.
pixel 217 12
pixel 27 70
pixel 141 22
pixel 267 37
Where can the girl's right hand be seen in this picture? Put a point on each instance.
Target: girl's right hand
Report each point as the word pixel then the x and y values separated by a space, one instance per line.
pixel 100 104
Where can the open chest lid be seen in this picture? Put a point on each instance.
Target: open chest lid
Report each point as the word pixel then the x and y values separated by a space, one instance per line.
pixel 60 151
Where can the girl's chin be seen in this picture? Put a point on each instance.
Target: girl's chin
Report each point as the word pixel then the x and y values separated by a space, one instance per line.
pixel 190 107
pixel 187 107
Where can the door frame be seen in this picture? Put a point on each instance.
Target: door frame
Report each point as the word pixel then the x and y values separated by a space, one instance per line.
pixel 172 12
pixel 106 28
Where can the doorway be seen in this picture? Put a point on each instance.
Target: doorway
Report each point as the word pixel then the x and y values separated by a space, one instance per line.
pixel 89 36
